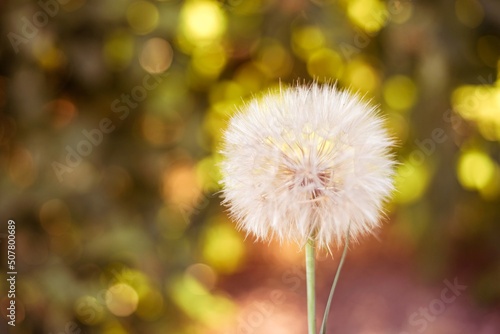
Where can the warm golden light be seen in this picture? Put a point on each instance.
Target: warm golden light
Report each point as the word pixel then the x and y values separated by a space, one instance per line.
pixel 118 49
pixel 202 21
pixel 156 55
pixel 371 15
pixel 306 40
pixel 199 304
pixel 180 186
pixel 273 59
pixel 360 76
pixel 412 180
pixel 121 300
pixel 142 16
pixel 220 237
pixel 480 104
pixel 400 93
pixel 325 65
pixel 209 61
pixel 475 170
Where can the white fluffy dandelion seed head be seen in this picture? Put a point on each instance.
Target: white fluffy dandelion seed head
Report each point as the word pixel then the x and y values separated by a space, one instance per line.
pixel 304 162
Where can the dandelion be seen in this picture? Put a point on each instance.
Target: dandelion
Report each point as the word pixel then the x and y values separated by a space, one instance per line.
pixel 310 164
pixel 304 163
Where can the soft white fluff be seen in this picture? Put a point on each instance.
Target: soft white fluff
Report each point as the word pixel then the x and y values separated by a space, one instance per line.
pixel 303 162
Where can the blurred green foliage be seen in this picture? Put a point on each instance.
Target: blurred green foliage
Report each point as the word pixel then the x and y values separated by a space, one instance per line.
pixel 111 116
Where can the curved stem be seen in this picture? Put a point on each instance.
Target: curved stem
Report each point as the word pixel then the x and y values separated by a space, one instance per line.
pixel 310 280
pixel 327 309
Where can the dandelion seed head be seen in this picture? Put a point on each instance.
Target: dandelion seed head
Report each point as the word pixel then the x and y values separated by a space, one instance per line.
pixel 304 162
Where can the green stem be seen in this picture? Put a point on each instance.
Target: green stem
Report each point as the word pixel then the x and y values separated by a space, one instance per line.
pixel 311 293
pixel 327 309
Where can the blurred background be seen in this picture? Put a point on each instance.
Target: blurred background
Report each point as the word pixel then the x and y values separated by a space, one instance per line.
pixel 111 118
